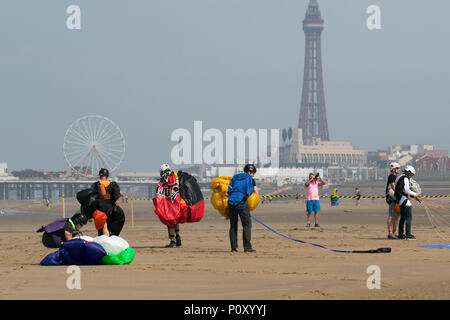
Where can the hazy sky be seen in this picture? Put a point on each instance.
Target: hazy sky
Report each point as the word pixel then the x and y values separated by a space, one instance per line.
pixel 155 66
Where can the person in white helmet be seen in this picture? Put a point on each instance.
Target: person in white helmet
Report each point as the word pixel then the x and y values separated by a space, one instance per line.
pixel 393 217
pixel 174 232
pixel 403 196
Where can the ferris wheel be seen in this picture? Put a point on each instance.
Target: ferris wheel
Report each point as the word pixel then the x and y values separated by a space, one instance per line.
pixel 91 143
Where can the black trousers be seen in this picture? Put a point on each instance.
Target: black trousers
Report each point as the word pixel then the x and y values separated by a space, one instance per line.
pixel 405 216
pixel 115 222
pixel 48 241
pixel 243 212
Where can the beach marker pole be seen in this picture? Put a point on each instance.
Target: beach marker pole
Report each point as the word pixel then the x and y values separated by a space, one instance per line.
pixel 132 213
pixel 63 206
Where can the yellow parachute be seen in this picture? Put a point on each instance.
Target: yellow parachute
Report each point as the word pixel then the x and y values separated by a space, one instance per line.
pixel 253 201
pixel 219 197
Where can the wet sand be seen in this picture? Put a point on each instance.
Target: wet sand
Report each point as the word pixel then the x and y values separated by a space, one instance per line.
pixel 204 267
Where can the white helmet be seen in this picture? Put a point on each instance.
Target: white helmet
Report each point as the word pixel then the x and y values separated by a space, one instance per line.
pixel 410 169
pixel 394 165
pixel 164 167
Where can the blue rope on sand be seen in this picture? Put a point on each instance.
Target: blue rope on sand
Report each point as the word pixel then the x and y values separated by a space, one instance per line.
pixel 380 250
pixel 435 246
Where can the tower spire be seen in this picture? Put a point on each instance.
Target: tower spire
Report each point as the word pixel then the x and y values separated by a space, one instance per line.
pixel 313 118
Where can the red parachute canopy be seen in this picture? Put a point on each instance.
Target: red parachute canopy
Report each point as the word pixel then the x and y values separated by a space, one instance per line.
pixel 178 199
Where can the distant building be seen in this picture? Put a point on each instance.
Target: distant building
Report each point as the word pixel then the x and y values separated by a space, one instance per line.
pixel 138 176
pixel 4 176
pixel 319 153
pixel 378 159
pixel 434 164
pixel 30 174
pixel 3 169
pixel 403 154
pixel 397 152
pixel 340 161
pixel 222 170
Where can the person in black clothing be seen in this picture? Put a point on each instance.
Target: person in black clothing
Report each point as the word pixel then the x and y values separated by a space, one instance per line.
pixel 358 196
pixel 393 217
pixel 109 218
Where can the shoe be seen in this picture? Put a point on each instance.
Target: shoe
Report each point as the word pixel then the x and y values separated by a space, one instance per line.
pixel 316 225
pixel 410 237
pixel 391 236
pixel 400 236
pixel 172 244
pixel 308 225
pixel 249 250
pixel 234 250
pixel 178 240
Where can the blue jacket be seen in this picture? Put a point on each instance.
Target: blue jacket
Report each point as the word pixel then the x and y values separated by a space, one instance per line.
pixel 241 186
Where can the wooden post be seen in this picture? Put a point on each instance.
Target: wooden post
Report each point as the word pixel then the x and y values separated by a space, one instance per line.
pixel 132 213
pixel 63 206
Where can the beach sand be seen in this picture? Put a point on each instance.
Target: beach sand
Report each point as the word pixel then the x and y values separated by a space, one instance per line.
pixel 204 267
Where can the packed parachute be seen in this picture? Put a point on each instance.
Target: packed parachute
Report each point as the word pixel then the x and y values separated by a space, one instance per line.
pixel 219 197
pixel 84 250
pixel 178 198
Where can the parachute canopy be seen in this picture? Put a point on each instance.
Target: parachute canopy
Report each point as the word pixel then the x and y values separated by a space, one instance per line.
pixel 90 251
pixel 253 201
pixel 75 252
pixel 178 199
pixel 219 197
pixel 118 250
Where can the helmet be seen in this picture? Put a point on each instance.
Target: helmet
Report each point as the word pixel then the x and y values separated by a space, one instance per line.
pixel 79 218
pixel 103 172
pixel 164 167
pixel 250 168
pixel 394 165
pixel 410 169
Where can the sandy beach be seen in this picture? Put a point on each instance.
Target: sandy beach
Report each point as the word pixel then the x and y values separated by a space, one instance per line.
pixel 204 267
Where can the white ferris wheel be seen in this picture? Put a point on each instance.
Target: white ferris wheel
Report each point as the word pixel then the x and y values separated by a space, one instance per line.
pixel 91 143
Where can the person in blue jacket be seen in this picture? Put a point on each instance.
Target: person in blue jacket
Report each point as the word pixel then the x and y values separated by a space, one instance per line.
pixel 241 186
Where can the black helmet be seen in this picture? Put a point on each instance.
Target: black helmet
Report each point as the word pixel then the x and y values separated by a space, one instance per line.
pixel 103 172
pixel 79 218
pixel 250 168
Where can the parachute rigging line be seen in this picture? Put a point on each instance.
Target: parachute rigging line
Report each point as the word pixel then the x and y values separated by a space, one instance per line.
pixel 379 250
pixel 431 217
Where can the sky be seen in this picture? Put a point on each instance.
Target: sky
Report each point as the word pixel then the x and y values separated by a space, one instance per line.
pixel 154 66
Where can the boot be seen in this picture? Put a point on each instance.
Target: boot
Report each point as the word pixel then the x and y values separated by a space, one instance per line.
pixel 178 240
pixel 172 243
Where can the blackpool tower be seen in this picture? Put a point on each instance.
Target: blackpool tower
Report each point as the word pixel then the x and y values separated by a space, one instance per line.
pixel 313 117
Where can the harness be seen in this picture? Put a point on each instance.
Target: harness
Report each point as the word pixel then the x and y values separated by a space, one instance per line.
pixel 74 232
pixel 400 193
pixel 105 195
pixel 167 189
